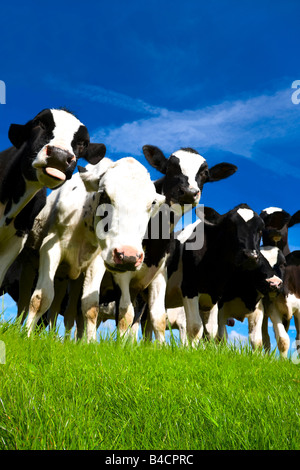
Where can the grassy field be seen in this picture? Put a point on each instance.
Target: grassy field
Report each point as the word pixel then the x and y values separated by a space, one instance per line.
pixel 117 395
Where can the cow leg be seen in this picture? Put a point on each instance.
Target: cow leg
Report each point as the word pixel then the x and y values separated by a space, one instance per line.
pixel 193 319
pixel 26 284
pixel 41 299
pixel 255 320
pixel 181 323
pixel 147 326
pixel 126 309
pixel 222 319
pixel 12 248
pixel 265 334
pixel 90 296
pixel 60 287
pixel 156 303
pixel 297 326
pixel 282 338
pixel 210 321
pixel 71 311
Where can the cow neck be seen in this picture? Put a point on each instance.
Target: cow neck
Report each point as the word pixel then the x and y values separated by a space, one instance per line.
pixel 15 192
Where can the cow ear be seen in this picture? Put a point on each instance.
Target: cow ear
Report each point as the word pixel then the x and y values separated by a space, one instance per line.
pixel 156 158
pixel 93 153
pixel 18 134
pixel 295 219
pixel 211 216
pixel 221 171
pixel 89 179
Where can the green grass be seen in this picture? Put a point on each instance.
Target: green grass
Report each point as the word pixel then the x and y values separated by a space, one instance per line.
pixel 117 395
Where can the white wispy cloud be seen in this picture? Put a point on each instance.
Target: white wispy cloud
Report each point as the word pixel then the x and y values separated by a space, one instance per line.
pixel 103 95
pixel 241 126
pixel 238 126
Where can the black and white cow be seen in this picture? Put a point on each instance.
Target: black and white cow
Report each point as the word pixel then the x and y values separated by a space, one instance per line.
pixel 185 173
pixel 227 271
pixel 98 219
pixel 44 155
pixel 276 250
pixel 292 288
pixel 277 222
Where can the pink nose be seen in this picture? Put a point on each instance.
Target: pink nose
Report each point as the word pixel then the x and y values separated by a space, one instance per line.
pixel 127 255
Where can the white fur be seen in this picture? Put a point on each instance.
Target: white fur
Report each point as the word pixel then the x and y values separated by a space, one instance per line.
pixel 270 210
pixel 270 253
pixel 189 163
pixel 246 214
pixel 128 184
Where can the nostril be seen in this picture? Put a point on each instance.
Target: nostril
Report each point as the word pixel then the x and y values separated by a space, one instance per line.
pixel 118 256
pixel 48 150
pixel 71 159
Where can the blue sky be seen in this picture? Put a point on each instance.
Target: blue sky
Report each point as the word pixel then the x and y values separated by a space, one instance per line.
pixel 214 75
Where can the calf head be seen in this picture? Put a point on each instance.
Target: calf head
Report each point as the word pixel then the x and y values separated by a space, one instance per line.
pixel 185 172
pixel 51 143
pixel 277 222
pixel 127 200
pixel 238 233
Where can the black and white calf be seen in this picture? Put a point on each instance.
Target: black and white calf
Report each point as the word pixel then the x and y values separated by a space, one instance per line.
pixel 292 289
pixel 45 154
pixel 185 173
pixel 98 219
pixel 277 222
pixel 276 250
pixel 228 271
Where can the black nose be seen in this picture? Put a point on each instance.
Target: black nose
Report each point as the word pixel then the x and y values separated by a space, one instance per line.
pixel 59 158
pixel 251 254
pixel 189 195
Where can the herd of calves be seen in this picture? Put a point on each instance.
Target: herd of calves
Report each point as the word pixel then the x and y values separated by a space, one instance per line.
pixel 104 242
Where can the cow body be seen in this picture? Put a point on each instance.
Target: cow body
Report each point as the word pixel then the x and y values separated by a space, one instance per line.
pixel 203 278
pixel 44 155
pixel 276 249
pixel 74 221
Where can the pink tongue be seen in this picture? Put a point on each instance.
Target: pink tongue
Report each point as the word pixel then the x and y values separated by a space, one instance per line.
pixel 55 172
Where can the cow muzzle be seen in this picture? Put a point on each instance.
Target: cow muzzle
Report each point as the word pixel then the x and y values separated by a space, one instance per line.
pixel 275 283
pixel 60 163
pixel 250 259
pixel 127 258
pixel 189 195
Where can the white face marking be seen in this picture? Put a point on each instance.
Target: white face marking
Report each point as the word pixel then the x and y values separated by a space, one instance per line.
pixel 270 210
pixel 189 164
pixel 246 214
pixel 66 125
pixel 271 254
